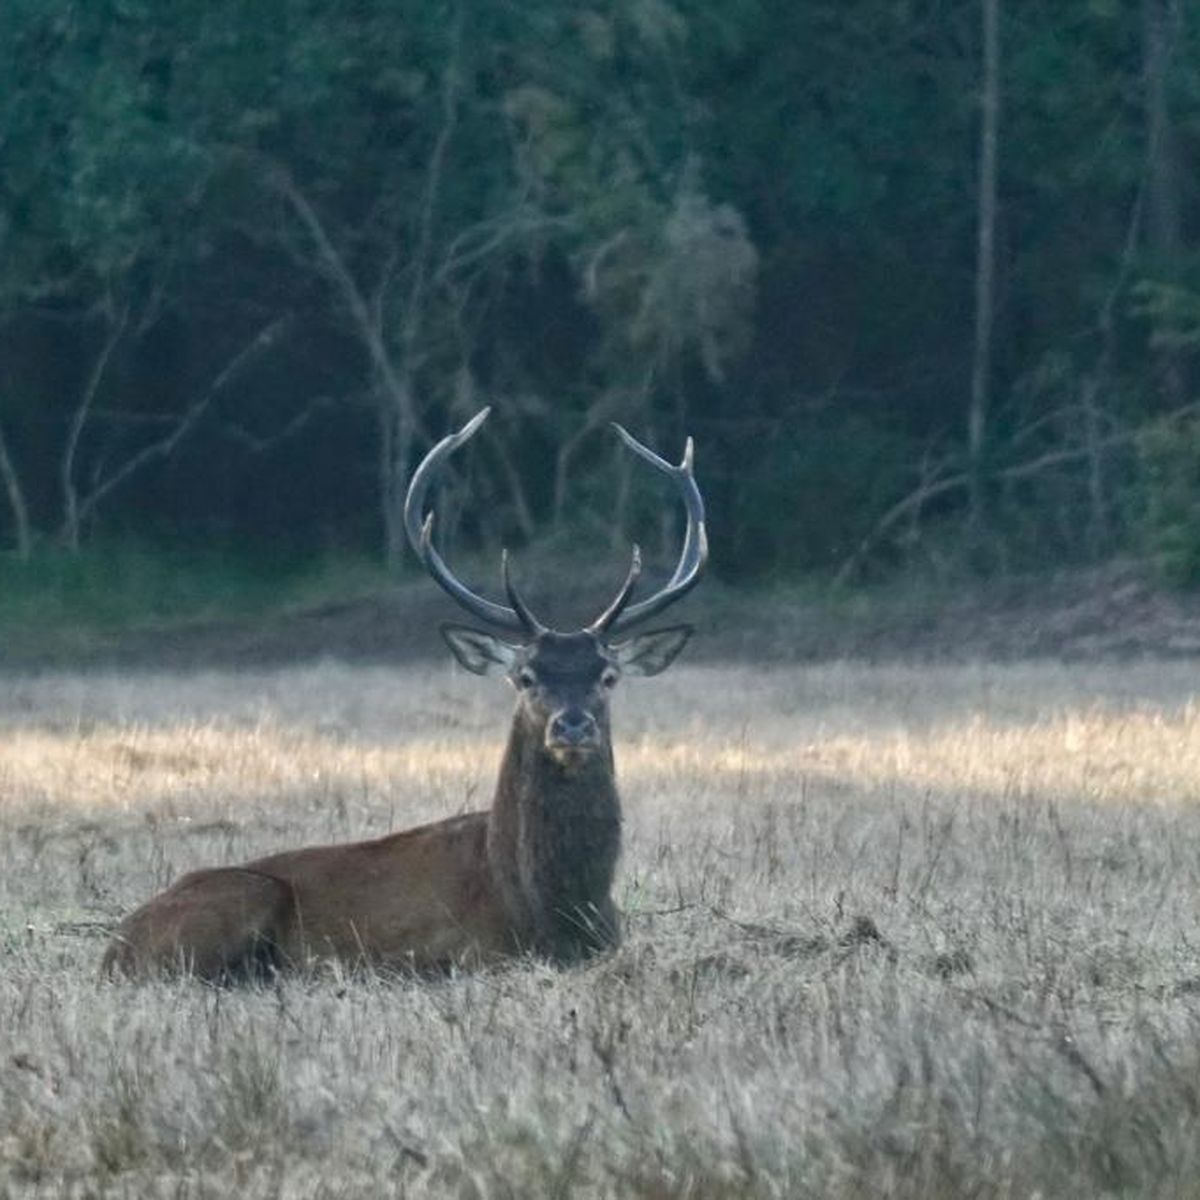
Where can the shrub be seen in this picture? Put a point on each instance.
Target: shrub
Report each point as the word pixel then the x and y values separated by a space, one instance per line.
pixel 1166 497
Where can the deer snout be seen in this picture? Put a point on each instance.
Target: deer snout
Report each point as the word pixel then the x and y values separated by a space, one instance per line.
pixel 572 729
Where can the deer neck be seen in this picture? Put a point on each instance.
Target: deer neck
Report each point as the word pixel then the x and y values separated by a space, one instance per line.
pixel 554 835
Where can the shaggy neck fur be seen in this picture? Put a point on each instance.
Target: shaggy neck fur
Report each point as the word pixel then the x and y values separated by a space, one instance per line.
pixel 554 834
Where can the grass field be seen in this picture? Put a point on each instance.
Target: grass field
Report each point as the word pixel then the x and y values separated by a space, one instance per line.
pixel 919 932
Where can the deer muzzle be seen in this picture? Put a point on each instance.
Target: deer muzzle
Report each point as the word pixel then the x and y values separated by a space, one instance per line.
pixel 572 733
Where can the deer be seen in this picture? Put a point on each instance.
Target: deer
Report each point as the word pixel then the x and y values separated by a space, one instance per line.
pixel 530 876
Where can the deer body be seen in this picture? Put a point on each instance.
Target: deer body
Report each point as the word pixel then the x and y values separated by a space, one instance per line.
pixel 417 899
pixel 532 875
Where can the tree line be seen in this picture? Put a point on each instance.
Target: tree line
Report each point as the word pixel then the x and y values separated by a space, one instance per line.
pixel 920 276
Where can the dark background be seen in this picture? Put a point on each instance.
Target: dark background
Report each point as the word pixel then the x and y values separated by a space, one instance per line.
pixel 253 258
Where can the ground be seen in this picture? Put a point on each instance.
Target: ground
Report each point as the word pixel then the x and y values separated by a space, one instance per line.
pixel 913 930
pixel 1112 612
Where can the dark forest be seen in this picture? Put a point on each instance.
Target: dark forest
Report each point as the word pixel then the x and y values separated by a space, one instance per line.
pixel 921 278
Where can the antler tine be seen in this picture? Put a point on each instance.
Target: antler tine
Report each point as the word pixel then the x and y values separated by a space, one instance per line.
pixel 531 625
pixel 694 554
pixel 613 611
pixel 419 526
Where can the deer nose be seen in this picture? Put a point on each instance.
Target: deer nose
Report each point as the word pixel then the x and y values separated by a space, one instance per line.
pixel 572 727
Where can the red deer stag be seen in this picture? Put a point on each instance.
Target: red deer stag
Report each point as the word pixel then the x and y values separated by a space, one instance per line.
pixel 530 876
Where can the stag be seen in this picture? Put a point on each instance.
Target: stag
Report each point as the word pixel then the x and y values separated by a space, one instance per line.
pixel 531 875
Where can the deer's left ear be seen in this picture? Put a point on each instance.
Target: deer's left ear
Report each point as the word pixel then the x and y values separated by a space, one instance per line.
pixel 650 653
pixel 483 653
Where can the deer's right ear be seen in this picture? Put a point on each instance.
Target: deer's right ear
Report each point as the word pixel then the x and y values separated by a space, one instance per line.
pixel 480 652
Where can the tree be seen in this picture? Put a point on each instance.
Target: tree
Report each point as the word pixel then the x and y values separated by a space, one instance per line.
pixel 1162 24
pixel 985 263
pixel 515 175
pixel 758 223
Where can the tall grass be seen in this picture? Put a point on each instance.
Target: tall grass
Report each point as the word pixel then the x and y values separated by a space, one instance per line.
pixel 890 932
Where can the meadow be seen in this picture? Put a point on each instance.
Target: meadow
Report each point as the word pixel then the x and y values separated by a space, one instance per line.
pixel 911 931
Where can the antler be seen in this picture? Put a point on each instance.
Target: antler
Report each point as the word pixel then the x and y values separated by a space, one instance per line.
pixel 516 616
pixel 419 524
pixel 691 558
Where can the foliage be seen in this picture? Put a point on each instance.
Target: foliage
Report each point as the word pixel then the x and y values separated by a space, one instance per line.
pixel 63 601
pixel 1166 501
pixel 690 217
pixel 1172 311
pixel 816 483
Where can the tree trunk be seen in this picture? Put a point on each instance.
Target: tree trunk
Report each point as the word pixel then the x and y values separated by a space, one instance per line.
pixel 16 501
pixel 1161 20
pixel 397 434
pixel 72 520
pixel 516 486
pixel 985 268
pixel 1098 383
pixel 619 531
pixel 1097 532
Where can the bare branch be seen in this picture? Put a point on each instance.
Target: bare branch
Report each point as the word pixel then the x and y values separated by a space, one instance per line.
pixel 433 186
pixel 985 264
pixel 331 263
pixel 79 419
pixel 601 412
pixel 929 489
pixel 517 222
pixel 599 254
pixel 516 487
pixel 399 419
pixel 258 443
pixel 264 340
pixel 387 272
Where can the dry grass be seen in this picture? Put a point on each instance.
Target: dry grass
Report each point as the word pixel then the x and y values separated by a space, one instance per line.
pixel 892 932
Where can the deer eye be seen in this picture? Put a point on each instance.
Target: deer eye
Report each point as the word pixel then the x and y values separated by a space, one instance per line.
pixel 526 678
pixel 609 678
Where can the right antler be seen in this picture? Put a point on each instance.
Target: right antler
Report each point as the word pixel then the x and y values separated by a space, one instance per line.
pixel 419 524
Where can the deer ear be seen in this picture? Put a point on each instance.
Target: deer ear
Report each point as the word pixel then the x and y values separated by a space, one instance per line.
pixel 650 653
pixel 480 652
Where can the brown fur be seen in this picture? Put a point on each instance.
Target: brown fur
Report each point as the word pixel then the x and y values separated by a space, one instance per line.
pixel 532 875
pixel 554 836
pixel 417 900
